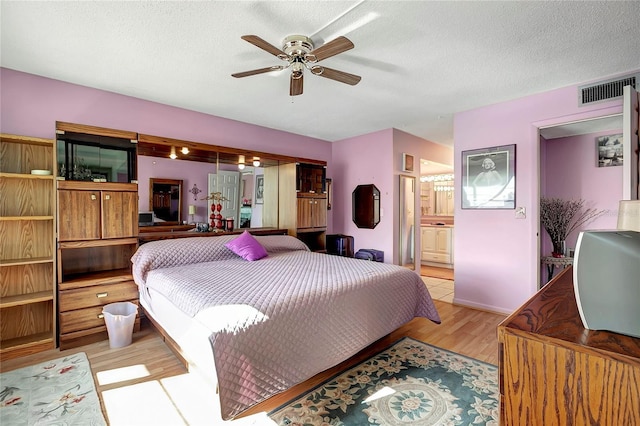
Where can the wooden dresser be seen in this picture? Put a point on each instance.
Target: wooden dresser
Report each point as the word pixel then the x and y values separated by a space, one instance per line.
pixel 553 371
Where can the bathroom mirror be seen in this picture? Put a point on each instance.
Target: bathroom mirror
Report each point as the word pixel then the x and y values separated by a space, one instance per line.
pixel 165 200
pixel 406 231
pixel 366 206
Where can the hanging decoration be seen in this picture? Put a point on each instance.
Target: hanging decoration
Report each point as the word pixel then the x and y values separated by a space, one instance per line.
pixel 216 208
pixel 195 191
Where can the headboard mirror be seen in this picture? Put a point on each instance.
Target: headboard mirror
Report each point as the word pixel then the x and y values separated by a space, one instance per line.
pixel 250 192
pixel 249 186
pixel 165 200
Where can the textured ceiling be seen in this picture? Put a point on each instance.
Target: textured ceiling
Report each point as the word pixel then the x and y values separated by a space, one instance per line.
pixel 420 61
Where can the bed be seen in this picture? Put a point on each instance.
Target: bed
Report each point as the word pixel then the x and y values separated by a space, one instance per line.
pixel 256 328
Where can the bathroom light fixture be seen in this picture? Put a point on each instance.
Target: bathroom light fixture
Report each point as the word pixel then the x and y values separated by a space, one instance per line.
pixel 173 155
pixel 436 178
pixel 185 150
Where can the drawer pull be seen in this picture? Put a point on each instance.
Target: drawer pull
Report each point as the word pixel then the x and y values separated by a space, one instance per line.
pixel 101 295
pixel 107 197
pixel 100 316
pixel 93 197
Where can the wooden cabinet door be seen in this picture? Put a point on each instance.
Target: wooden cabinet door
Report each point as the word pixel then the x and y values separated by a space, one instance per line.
pixel 305 208
pixel 443 241
pixel 428 239
pixel 319 213
pixel 119 214
pixel 79 215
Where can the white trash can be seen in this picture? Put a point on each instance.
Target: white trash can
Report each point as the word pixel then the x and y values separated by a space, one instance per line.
pixel 120 318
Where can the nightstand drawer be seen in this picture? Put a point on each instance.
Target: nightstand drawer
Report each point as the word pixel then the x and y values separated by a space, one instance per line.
pixel 97 295
pixel 82 319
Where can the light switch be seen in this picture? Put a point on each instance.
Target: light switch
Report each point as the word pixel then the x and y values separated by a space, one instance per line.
pixel 521 213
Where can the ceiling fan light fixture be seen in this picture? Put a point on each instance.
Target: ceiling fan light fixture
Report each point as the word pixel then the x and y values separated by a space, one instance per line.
pixel 297 70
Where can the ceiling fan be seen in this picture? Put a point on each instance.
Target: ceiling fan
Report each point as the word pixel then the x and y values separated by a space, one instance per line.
pixel 299 53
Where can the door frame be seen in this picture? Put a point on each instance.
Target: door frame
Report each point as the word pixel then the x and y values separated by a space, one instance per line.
pixel 535 208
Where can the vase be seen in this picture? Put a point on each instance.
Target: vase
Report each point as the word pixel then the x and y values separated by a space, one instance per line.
pixel 559 248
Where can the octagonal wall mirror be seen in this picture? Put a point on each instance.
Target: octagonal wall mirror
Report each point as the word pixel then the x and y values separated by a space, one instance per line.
pixel 366 206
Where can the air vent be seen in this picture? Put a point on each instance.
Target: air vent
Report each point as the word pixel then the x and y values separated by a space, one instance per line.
pixel 605 90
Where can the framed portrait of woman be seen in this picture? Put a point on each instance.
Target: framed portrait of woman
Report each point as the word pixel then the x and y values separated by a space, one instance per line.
pixel 259 189
pixel 489 178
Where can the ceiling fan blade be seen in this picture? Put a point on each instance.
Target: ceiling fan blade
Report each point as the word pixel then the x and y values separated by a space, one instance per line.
pixel 327 50
pixel 268 47
pixel 341 76
pixel 258 71
pixel 295 88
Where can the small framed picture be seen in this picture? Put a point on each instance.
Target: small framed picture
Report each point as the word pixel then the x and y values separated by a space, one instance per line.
pixel 609 150
pixel 259 189
pixel 407 162
pixel 489 178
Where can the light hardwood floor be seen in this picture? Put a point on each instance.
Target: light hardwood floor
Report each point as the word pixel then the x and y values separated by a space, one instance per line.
pixel 433 271
pixel 144 383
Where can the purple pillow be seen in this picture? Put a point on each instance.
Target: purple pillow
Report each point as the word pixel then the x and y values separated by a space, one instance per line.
pixel 247 247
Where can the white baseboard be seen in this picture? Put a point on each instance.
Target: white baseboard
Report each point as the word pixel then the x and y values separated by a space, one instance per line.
pixel 480 306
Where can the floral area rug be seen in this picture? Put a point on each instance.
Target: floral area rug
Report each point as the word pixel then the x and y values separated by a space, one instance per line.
pixel 411 383
pixel 57 392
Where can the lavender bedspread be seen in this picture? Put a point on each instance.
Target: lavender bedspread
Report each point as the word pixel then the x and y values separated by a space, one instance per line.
pixel 280 320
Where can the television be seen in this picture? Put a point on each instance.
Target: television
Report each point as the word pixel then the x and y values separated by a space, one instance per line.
pixel 146 218
pixel 606 280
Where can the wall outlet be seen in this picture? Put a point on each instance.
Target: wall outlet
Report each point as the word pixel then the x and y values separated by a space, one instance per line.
pixel 521 213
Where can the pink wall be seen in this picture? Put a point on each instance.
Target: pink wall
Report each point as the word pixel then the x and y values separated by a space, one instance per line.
pixel 571 172
pixel 363 160
pixel 31 105
pixel 377 158
pixel 497 255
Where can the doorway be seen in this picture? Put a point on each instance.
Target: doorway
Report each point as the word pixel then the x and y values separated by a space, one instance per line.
pixel 571 167
pixel 436 211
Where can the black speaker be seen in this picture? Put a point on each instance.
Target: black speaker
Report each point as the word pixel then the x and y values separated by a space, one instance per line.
pixel 340 245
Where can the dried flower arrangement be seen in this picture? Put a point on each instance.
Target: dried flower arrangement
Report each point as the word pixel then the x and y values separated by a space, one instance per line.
pixel 561 217
pixel 216 197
